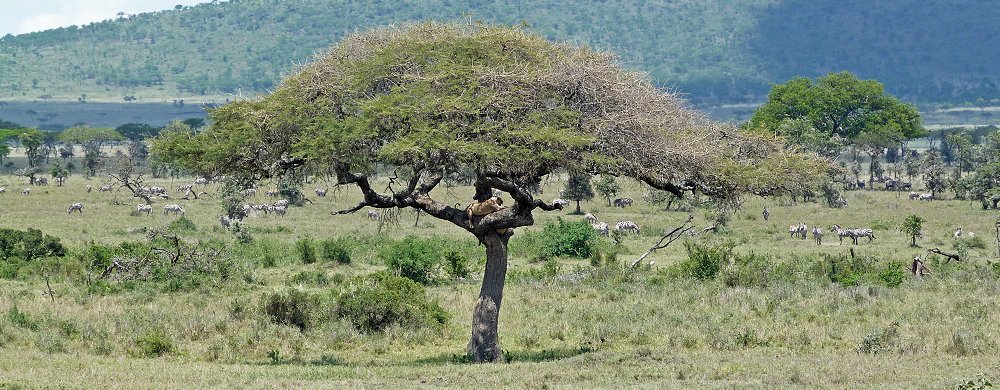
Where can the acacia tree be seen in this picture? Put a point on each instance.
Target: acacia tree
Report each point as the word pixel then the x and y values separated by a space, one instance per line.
pixel 499 102
pixel 92 139
pixel 578 189
pixel 608 187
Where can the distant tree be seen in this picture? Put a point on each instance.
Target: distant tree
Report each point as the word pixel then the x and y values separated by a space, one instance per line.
pixel 5 124
pixel 32 140
pixel 934 176
pixel 913 227
pixel 137 131
pixel 963 148
pixel 194 123
pixel 92 139
pixel 578 189
pixel 607 187
pixel 4 151
pixel 59 173
pixel 984 185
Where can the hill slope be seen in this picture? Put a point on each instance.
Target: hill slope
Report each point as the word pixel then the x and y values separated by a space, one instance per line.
pixel 714 51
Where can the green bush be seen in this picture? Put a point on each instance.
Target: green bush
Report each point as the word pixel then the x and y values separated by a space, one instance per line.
pixel 292 307
pixel 456 264
pixel 572 239
pixel 335 250
pixel 182 224
pixel 750 270
pixel 418 259
pixel 376 301
pixel 154 343
pixel 28 245
pixel 704 262
pixel 305 250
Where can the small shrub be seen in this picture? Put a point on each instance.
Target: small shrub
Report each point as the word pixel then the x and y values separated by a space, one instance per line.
pixel 981 382
pixel 376 301
pixel 749 270
pixel 892 276
pixel 305 250
pixel 154 343
pixel 879 340
pixel 572 239
pixel 704 262
pixel 456 264
pixel 21 319
pixel 293 307
pixel 418 259
pixel 182 224
pixel 335 250
pixel 29 245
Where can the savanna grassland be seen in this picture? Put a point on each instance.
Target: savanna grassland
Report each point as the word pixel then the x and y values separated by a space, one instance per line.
pixel 777 311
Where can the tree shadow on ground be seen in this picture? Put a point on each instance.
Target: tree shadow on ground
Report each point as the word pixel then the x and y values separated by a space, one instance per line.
pixel 533 356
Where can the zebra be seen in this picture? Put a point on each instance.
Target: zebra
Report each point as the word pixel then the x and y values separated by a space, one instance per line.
pixel 3 190
pixel 560 202
pixel 817 233
pixel 627 226
pixel 841 233
pixel 173 208
pixel 271 193
pixel 201 181
pixel 623 202
pixel 278 210
pixel 321 192
pixel 185 188
pixel 250 192
pixel 601 228
pixel 591 218
pixel 225 221
pixel 89 188
pixel 372 215
pixel 105 188
pixel 75 207
pixel 862 232
pixel 798 230
pixel 958 233
pixel 42 181
pixel 144 208
pixel 926 196
pixel 27 191
pixel 157 190
pixel 766 213
pixel 281 203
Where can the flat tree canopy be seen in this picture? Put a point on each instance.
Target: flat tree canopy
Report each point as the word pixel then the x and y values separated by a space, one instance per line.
pixel 498 101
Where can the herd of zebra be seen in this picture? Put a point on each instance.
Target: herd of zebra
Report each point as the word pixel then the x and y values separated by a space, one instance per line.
pixel 801 230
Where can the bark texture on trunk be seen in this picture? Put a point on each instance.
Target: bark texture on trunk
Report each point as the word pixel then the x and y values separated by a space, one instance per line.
pixel 484 346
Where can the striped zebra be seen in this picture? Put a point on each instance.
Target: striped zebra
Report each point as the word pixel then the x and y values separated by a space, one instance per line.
pixel 861 233
pixel 591 218
pixel 627 226
pixel 623 202
pixel 601 228
pixel 144 208
pixel 75 207
pixel 841 233
pixel 818 235
pixel 800 230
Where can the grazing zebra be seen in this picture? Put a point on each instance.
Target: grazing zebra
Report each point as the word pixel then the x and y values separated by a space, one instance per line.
pixel 627 226
pixel 372 215
pixel 281 203
pixel 42 181
pixel 958 233
pixel 75 207
pixel 321 192
pixel 766 214
pixel 173 208
pixel 560 202
pixel 201 180
pixel 27 191
pixel 144 208
pixel 841 233
pixel 185 188
pixel 591 218
pixel 89 188
pixel 623 202
pixel 818 235
pixel 278 210
pixel 262 207
pixel 157 190
pixel 225 221
pixel 105 188
pixel 926 196
pixel 601 228
pixel 862 232
pixel 800 230
pixel 3 190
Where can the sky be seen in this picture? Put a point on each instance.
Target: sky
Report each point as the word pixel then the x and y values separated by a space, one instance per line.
pixel 24 16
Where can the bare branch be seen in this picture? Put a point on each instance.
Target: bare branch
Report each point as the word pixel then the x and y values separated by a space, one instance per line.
pixel 670 237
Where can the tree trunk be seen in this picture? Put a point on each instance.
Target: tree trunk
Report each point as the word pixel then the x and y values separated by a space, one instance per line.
pixel 484 347
pixel 578 212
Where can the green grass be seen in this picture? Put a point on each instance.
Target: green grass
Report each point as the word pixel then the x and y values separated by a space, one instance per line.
pixel 579 328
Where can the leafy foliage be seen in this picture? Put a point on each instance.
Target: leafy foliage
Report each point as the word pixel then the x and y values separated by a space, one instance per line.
pixel 913 227
pixel 568 238
pixel 376 301
pixel 418 259
pixel 293 307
